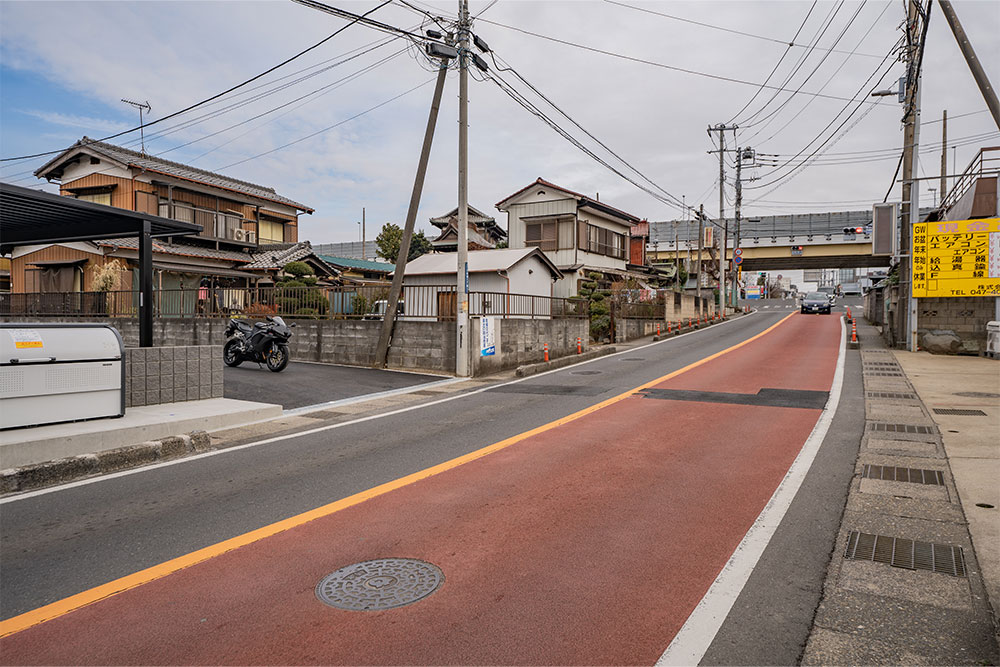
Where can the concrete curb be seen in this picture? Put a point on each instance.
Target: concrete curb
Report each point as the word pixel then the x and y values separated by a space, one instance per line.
pixel 60 471
pixel 562 362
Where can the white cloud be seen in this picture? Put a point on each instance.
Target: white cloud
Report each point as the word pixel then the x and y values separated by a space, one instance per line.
pixel 175 53
pixel 86 123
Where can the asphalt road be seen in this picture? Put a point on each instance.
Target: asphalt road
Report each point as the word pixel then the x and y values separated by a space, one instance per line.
pixel 71 540
pixel 303 384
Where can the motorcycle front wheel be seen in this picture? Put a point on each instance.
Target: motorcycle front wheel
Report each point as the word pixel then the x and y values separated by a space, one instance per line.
pixel 231 353
pixel 277 357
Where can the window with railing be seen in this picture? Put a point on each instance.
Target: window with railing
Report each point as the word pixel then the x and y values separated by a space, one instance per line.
pixel 213 223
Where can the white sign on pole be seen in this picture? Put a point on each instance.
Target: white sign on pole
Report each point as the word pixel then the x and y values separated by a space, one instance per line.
pixel 488 330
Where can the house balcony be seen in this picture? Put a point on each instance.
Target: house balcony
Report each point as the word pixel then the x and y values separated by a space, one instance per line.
pixel 216 226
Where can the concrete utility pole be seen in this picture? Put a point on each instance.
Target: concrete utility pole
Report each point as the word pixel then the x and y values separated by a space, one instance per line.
pixel 721 129
pixel 701 242
pixel 677 260
pixel 739 208
pixel 389 320
pixel 983 81
pixel 944 155
pixel 462 305
pixel 363 233
pixel 911 187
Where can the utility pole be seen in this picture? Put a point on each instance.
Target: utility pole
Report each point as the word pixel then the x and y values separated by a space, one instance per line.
pixel 748 152
pixel 911 188
pixel 944 156
pixel 677 261
pixel 363 233
pixel 978 73
pixel 701 242
pixel 389 319
pixel 462 343
pixel 721 129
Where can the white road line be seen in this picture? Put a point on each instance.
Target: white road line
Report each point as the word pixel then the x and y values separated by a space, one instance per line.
pixel 320 429
pixel 692 641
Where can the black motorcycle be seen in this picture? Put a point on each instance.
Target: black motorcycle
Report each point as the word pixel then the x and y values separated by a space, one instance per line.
pixel 263 342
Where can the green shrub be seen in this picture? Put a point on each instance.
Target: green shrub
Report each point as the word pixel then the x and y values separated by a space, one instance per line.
pixel 297 269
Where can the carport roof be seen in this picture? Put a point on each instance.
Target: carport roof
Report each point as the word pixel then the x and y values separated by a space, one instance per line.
pixel 32 216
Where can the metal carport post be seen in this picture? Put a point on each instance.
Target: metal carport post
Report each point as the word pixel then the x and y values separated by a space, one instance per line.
pixel 29 217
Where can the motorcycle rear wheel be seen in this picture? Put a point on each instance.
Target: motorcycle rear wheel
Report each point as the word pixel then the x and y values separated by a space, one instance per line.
pixel 231 353
pixel 277 357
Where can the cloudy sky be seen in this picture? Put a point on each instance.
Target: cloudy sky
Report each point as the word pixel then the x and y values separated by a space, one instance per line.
pixel 651 78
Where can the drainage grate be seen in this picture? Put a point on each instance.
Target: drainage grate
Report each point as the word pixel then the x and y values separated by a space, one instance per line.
pixel 898 428
pixel 633 359
pixel 977 394
pixel 880 363
pixel 585 372
pixel 907 554
pixel 957 411
pixel 883 374
pixel 913 475
pixel 890 394
pixel 374 585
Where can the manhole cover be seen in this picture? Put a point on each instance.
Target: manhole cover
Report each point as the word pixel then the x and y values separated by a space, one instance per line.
pixel 585 372
pixel 977 394
pixel 373 585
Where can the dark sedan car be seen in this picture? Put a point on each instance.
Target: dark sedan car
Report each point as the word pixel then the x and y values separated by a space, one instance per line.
pixel 816 302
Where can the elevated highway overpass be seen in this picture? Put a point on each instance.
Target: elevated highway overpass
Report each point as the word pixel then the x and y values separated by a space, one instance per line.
pixel 779 242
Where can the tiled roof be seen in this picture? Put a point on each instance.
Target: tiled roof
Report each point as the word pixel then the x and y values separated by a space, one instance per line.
pixel 351 263
pixel 584 200
pixel 151 163
pixel 276 255
pixel 181 249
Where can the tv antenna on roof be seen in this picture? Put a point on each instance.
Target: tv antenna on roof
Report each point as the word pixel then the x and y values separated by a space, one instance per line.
pixel 140 106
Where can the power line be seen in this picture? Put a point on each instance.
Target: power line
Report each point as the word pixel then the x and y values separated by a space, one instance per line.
pixel 776 65
pixel 218 95
pixel 748 122
pixel 789 44
pixel 674 68
pixel 823 87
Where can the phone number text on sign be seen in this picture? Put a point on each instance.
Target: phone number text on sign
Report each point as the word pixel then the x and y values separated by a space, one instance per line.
pixel 956 258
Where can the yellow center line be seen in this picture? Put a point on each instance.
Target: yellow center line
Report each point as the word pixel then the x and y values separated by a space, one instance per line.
pixel 90 596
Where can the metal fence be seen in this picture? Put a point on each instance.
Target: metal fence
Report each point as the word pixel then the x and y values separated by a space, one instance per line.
pixel 417 302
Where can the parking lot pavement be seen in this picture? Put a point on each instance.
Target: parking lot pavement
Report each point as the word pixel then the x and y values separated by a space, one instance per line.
pixel 303 384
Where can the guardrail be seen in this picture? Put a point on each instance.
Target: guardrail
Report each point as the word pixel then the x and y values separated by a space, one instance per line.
pixel 418 302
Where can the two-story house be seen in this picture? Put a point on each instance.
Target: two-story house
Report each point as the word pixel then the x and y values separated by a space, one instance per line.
pixel 578 233
pixel 237 218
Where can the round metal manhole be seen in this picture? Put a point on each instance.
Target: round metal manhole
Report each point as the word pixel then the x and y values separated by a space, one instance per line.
pixel 585 372
pixel 977 394
pixel 374 585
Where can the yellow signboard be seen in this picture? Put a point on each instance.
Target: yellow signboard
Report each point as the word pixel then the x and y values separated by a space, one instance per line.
pixel 956 258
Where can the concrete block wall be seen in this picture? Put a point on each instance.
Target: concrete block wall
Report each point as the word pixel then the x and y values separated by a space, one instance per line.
pixel 521 341
pixel 169 374
pixel 966 317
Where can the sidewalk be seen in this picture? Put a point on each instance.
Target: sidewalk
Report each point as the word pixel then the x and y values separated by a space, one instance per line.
pixel 928 479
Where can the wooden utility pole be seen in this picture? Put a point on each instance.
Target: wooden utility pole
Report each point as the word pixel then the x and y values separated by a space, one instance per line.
pixel 389 319
pixel 978 73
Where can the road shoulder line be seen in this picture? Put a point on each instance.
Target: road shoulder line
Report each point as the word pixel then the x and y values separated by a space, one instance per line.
pixel 692 641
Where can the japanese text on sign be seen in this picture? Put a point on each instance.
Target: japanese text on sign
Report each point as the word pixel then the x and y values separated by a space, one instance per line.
pixel 956 258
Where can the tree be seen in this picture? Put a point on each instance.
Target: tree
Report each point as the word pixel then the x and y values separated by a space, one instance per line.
pixel 389 239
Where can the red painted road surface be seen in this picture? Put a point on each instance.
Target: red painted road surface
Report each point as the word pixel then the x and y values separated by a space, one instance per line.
pixel 590 543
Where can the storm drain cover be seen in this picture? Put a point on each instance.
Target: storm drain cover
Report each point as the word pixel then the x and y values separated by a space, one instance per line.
pixel 374 585
pixel 977 394
pixel 633 359
pixel 898 428
pixel 907 554
pixel 957 411
pixel 890 394
pixel 882 374
pixel 895 474
pixel 585 372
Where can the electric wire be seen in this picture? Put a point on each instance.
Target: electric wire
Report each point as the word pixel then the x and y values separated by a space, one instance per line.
pixel 217 95
pixel 653 63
